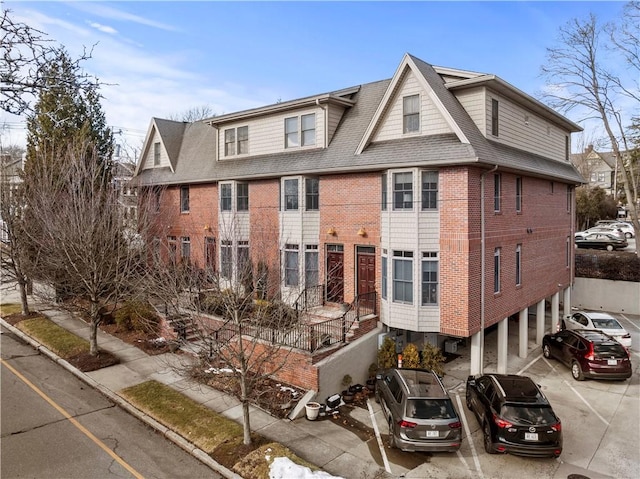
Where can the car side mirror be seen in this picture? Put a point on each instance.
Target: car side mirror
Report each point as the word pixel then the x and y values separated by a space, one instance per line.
pixel 471 382
pixel 379 377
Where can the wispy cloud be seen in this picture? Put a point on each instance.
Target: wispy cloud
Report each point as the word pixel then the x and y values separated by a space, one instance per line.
pixel 108 12
pixel 103 28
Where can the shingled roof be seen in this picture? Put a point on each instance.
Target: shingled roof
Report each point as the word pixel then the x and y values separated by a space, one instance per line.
pixel 191 146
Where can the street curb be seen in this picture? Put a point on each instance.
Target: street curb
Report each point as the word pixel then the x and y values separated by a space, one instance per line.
pixel 172 436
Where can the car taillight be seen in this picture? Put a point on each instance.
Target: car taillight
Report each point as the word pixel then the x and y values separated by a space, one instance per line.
pixel 557 427
pixel 455 425
pixel 590 355
pixel 501 422
pixel 407 424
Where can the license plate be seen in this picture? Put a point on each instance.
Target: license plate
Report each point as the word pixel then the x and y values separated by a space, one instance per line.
pixel 530 436
pixel 612 362
pixel 432 434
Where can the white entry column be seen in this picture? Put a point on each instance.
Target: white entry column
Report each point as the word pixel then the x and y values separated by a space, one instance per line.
pixel 503 345
pixel 555 311
pixel 566 301
pixel 540 319
pixel 523 333
pixel 476 353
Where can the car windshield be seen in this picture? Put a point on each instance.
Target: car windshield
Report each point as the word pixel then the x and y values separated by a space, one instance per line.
pixel 606 323
pixel 536 415
pixel 430 409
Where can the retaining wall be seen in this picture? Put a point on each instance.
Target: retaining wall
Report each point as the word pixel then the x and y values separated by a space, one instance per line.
pixel 606 295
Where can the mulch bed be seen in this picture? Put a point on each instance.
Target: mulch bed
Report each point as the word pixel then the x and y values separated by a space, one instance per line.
pixel 15 318
pixel 85 362
pixel 147 341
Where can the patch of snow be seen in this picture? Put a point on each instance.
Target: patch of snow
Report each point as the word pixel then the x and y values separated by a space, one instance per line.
pixel 285 468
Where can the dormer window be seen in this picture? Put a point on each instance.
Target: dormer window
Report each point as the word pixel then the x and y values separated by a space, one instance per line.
pixel 156 154
pixel 236 141
pixel 300 131
pixel 411 114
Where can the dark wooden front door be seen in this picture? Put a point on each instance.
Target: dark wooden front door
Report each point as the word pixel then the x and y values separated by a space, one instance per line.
pixel 335 276
pixel 366 276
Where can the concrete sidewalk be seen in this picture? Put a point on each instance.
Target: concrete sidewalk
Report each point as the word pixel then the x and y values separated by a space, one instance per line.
pixel 336 449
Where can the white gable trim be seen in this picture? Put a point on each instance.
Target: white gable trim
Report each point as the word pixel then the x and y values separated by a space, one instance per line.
pixel 153 129
pixel 407 63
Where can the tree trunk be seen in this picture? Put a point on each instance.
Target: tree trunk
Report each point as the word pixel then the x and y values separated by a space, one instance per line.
pixel 93 335
pixel 246 425
pixel 22 285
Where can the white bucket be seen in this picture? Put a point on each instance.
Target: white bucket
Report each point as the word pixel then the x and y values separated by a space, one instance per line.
pixel 312 409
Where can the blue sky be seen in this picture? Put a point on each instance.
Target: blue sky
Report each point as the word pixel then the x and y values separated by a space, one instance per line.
pixel 162 58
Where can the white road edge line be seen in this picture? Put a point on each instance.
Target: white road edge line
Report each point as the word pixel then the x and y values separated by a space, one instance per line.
pixel 467 432
pixel 585 401
pixel 387 467
pixel 528 365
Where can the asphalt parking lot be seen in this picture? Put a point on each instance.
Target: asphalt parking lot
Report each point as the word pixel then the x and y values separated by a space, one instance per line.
pixel 600 419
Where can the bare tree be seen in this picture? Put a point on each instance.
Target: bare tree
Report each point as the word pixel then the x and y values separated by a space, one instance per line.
pixel 235 330
pixel 79 242
pixel 194 114
pixel 26 53
pixel 13 252
pixel 578 81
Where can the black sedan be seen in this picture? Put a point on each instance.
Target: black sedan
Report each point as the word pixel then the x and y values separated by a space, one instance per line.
pixel 608 241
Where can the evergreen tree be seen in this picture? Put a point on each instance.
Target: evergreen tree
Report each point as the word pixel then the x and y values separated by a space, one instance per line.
pixel 67 111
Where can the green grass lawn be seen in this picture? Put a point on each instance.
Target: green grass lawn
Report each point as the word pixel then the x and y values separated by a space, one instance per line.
pixel 57 339
pixel 218 436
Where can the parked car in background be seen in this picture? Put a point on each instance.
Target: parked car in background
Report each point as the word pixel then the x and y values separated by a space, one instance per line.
pixel 606 222
pixel 606 241
pixel 420 413
pixel 598 320
pixel 626 228
pixel 514 414
pixel 589 354
pixel 600 229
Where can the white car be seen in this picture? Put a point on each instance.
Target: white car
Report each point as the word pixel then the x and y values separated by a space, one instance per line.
pixel 598 320
pixel 626 228
pixel 600 229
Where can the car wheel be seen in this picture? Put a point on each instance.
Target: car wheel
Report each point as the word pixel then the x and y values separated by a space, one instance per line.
pixel 391 441
pixel 488 445
pixel 609 247
pixel 628 235
pixel 546 351
pixel 576 371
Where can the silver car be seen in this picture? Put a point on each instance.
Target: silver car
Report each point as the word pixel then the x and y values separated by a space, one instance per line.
pixel 419 411
pixel 598 320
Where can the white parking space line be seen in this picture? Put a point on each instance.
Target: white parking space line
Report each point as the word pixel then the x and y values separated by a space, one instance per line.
pixel 588 405
pixel 529 365
pixel 630 322
pixel 467 432
pixel 387 467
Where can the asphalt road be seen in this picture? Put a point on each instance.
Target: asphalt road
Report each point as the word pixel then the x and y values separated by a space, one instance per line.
pixel 55 426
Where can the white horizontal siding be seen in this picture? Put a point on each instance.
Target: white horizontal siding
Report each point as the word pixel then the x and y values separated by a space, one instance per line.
pixel 310 227
pixel 473 101
pixel 164 158
pixel 266 134
pixel 538 136
pixel 431 120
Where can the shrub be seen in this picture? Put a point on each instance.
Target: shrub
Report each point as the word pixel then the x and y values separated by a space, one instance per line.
pixel 410 356
pixel 137 316
pixel 432 358
pixel 387 357
pixel 614 265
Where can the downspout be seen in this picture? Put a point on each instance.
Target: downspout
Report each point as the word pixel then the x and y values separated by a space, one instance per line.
pixel 483 264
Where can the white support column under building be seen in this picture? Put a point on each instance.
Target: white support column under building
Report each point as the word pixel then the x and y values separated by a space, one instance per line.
pixel 566 301
pixel 503 345
pixel 476 354
pixel 555 311
pixel 540 320
pixel 523 333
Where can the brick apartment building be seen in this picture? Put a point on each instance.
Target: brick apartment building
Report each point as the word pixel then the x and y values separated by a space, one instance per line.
pixel 447 193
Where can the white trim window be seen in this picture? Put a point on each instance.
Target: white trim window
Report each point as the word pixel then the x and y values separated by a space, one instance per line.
pixel 519 194
pixel 403 277
pixel 403 191
pixel 291 265
pixel 519 265
pixel 236 141
pixel 429 278
pixel 429 190
pixel 311 269
pixel 384 277
pixel 184 199
pixel 242 196
pixel 300 131
pixel 497 192
pixel 496 270
pixel 226 259
pixel 291 194
pixel 226 196
pixel 411 114
pixel 185 249
pixel 156 154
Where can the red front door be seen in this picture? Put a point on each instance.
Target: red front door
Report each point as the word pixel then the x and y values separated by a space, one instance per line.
pixel 366 276
pixel 335 276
